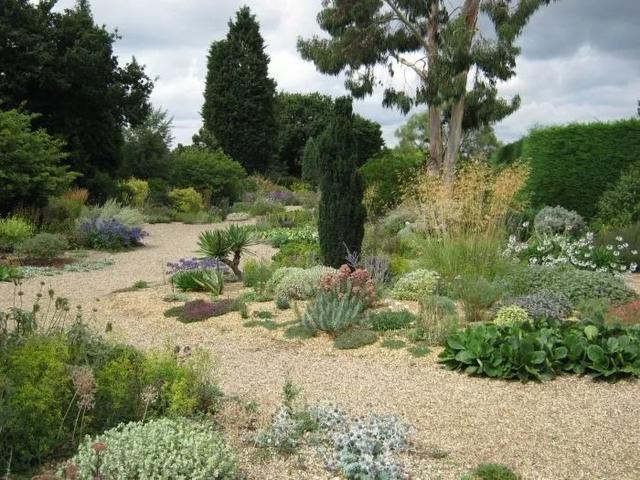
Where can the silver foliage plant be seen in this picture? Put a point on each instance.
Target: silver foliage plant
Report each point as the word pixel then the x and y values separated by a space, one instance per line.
pixel 331 313
pixel 363 447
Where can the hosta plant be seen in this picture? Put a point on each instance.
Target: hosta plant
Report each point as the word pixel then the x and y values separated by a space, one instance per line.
pixel 332 314
pixel 163 448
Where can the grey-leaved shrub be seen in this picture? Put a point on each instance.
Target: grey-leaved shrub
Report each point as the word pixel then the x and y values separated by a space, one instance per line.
pixel 551 220
pixel 163 448
pixel 416 285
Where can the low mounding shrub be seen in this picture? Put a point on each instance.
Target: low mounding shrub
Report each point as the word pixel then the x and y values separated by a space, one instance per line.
pixel 544 304
pixel 511 315
pixel 352 339
pixel 357 283
pixel 196 310
pixel 576 285
pixel 386 320
pixel 416 285
pixel 162 448
pixel 257 274
pixel 112 210
pixel 332 314
pixel 13 231
pixel 491 471
pixel 542 349
pixel 43 246
pixel 109 234
pixel 186 200
pixel 553 220
pixel 297 283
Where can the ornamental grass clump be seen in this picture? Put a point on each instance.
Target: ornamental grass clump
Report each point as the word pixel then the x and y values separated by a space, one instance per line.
pixel 162 448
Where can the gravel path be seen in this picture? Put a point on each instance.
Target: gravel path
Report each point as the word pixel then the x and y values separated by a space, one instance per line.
pixel 568 428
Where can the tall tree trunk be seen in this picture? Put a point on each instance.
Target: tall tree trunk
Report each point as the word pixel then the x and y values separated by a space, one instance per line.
pixel 435 113
pixel 470 13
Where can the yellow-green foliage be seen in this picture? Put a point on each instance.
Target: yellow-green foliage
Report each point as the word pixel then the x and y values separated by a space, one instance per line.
pixel 38 392
pixel 186 199
pixel 511 315
pixel 416 285
pixel 135 192
pixel 14 230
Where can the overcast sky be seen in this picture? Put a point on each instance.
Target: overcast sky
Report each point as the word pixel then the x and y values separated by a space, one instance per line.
pixel 580 58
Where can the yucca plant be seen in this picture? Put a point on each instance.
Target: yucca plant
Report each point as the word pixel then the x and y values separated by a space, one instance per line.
pixel 227 245
pixel 331 313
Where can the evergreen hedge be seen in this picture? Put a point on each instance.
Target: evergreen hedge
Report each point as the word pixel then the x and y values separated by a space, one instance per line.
pixel 574 165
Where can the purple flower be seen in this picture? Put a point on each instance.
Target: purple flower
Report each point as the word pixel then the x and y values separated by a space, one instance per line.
pixel 282 196
pixel 110 234
pixel 194 263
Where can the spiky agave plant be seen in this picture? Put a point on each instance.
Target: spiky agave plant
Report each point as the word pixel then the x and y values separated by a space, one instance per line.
pixel 332 313
pixel 228 245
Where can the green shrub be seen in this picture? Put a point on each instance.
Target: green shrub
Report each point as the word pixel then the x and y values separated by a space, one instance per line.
pixel 209 171
pixel 477 295
pixel 491 471
pixel 282 303
pixel 299 332
pixel 129 216
pixel 511 315
pixel 355 339
pixel 158 214
pixel 332 314
pixel 508 154
pixel 43 246
pixel 13 231
pixel 257 273
pixel 297 283
pixel 163 448
pixel 393 343
pixel 573 165
pixel 386 320
pixel 384 177
pixel 8 273
pixel 416 285
pixel 134 192
pixel 31 162
pixel 186 200
pixel 38 393
pixel 298 254
pixel 542 349
pixel 196 218
pixel 576 285
pixel 620 205
pixel 262 207
pixel 553 220
pixel 544 304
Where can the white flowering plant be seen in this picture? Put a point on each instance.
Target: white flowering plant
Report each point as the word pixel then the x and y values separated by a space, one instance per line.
pixel 581 253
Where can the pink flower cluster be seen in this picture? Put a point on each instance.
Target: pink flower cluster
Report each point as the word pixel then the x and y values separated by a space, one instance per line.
pixel 357 283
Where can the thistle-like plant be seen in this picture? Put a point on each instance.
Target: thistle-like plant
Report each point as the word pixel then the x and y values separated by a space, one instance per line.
pixel 331 313
pixel 227 245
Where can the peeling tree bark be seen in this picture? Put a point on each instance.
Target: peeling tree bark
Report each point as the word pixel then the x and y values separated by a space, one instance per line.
pixel 435 115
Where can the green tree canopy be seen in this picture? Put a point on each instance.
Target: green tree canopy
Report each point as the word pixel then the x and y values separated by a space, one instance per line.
pixel 441 46
pixel 146 147
pixel 31 163
pixel 239 96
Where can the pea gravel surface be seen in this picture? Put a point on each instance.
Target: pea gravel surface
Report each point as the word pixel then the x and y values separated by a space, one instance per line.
pixel 568 428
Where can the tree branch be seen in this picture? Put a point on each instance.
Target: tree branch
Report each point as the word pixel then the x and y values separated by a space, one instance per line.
pixel 411 26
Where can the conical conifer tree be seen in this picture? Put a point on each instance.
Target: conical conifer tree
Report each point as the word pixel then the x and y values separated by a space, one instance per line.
pixel 341 213
pixel 239 95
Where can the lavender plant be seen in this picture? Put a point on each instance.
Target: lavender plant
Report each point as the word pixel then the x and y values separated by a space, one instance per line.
pixel 109 234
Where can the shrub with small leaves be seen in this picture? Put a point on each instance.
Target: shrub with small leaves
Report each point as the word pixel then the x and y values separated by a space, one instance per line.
pixel 13 231
pixel 544 304
pixel 43 246
pixel 162 448
pixel 511 315
pixel 332 314
pixel 186 200
pixel 416 285
pixel 282 303
pixel 352 339
pixel 297 283
pixel 385 320
pixel 552 220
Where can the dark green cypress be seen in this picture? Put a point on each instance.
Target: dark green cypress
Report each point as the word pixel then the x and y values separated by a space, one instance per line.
pixel 341 213
pixel 239 96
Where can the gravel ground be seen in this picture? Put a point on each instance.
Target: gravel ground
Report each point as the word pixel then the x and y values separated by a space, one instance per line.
pixel 568 428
